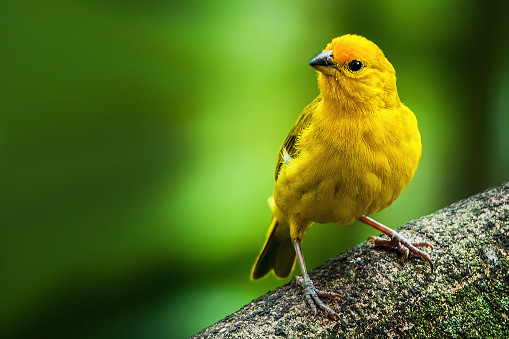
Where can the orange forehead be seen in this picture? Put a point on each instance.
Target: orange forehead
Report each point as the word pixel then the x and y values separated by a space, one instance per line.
pixel 349 47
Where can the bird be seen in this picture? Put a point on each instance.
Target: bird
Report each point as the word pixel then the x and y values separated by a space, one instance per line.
pixel 350 154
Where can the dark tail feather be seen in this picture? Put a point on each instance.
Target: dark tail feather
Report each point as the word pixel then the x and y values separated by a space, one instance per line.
pixel 278 253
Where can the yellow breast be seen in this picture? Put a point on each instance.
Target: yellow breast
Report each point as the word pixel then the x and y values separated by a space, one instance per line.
pixel 350 166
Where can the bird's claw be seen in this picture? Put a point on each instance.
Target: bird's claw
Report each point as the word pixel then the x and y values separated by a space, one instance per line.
pixel 313 295
pixel 401 244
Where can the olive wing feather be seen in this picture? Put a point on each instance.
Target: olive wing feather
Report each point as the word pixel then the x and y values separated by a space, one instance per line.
pixel 289 150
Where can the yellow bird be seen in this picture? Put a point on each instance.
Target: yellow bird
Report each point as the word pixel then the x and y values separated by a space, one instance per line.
pixel 351 153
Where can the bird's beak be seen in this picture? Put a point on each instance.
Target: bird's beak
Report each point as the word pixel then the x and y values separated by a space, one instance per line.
pixel 324 63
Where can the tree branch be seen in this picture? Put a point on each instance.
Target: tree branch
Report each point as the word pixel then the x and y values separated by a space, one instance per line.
pixel 466 296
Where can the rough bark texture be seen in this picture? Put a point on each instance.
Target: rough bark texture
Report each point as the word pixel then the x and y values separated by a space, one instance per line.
pixel 466 296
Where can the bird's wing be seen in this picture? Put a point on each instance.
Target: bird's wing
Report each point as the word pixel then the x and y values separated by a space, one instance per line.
pixel 289 150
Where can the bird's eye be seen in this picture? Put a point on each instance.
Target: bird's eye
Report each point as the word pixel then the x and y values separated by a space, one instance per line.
pixel 355 65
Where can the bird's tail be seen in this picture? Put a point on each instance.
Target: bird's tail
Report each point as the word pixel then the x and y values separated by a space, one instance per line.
pixel 278 253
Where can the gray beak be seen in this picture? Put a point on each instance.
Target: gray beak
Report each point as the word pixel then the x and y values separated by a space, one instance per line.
pixel 322 59
pixel 324 63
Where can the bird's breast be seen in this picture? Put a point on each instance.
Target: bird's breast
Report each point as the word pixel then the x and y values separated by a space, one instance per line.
pixel 356 172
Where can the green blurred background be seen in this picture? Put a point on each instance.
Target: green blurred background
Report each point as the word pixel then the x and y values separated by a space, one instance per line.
pixel 138 141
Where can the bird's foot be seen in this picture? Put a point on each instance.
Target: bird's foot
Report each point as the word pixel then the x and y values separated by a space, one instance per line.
pixel 404 246
pixel 313 295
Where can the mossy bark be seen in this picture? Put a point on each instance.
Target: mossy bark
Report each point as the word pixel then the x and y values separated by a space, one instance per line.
pixel 466 296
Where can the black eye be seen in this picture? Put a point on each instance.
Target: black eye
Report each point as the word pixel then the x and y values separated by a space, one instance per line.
pixel 355 65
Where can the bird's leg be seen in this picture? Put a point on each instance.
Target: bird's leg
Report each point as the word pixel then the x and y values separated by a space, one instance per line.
pixel 311 293
pixel 397 241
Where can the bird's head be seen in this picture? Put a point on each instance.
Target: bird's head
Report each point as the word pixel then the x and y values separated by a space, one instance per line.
pixel 355 72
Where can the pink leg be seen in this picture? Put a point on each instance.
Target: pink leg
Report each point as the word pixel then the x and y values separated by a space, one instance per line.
pixel 311 293
pixel 397 241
